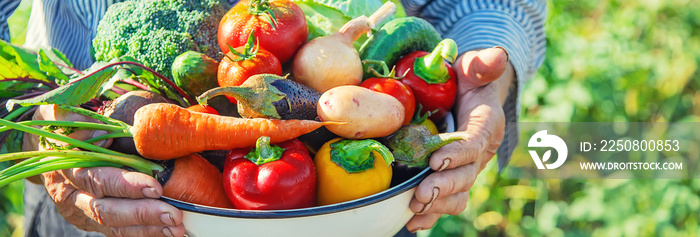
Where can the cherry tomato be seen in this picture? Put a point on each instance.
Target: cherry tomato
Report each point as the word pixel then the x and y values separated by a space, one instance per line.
pixel 394 88
pixel 234 73
pixel 282 39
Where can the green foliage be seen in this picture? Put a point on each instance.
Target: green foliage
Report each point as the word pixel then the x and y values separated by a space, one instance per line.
pixel 11 206
pixel 611 60
pixel 93 82
pixel 156 31
pixel 17 22
pixel 326 17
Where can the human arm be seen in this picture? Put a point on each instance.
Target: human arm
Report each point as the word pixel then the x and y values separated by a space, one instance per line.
pixel 487 112
pixel 484 79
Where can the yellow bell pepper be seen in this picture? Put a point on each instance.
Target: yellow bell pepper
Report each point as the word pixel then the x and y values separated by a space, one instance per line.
pixel 351 169
pixel 430 125
pixel 419 119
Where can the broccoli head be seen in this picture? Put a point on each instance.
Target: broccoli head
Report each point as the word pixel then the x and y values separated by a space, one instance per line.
pixel 155 32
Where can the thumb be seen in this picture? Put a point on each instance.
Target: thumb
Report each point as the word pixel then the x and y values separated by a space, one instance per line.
pixel 477 68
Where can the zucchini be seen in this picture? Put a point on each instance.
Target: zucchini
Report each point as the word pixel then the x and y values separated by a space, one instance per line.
pixel 397 38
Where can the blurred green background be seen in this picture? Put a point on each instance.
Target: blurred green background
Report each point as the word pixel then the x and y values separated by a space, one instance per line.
pixel 614 60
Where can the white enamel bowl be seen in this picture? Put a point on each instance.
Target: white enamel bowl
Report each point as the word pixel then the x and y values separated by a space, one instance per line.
pixel 382 214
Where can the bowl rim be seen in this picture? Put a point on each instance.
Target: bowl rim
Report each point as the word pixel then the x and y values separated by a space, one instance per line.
pixel 303 212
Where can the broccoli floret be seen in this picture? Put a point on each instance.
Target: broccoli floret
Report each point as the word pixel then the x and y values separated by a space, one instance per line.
pixel 155 32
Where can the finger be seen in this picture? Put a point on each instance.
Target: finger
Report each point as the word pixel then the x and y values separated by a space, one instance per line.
pixel 445 183
pixel 54 113
pixel 457 153
pixel 478 68
pixel 461 152
pixel 452 205
pixel 145 231
pixel 30 142
pixel 422 222
pixel 484 131
pixel 114 182
pixel 120 212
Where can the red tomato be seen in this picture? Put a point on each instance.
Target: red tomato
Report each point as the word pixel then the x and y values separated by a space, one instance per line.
pixel 283 40
pixel 235 73
pixel 203 109
pixel 394 88
pixel 440 96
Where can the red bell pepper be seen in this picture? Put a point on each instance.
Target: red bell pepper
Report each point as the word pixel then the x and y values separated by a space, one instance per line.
pixel 390 84
pixel 270 177
pixel 432 80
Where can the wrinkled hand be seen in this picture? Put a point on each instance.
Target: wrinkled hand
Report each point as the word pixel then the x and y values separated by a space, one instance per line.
pixel 109 200
pixel 483 80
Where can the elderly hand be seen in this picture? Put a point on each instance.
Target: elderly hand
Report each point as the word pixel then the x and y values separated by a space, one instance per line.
pixel 483 80
pixel 109 200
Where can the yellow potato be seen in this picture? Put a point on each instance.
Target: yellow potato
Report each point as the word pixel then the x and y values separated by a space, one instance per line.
pixel 368 114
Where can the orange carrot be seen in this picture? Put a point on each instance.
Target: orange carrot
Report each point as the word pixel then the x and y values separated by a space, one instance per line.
pixel 193 179
pixel 167 131
pixel 203 109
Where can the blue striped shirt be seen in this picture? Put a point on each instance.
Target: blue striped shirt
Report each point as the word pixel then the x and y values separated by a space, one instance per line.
pixel 6 9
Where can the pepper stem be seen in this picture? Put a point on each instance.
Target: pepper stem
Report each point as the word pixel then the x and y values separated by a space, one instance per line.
pixel 431 67
pixel 264 152
pixel 356 155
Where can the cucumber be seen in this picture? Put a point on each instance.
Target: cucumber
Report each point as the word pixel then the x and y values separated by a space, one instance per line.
pixel 397 38
pixel 195 72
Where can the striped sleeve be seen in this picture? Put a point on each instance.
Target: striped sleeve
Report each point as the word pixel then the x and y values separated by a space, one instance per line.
pixel 516 25
pixel 7 7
